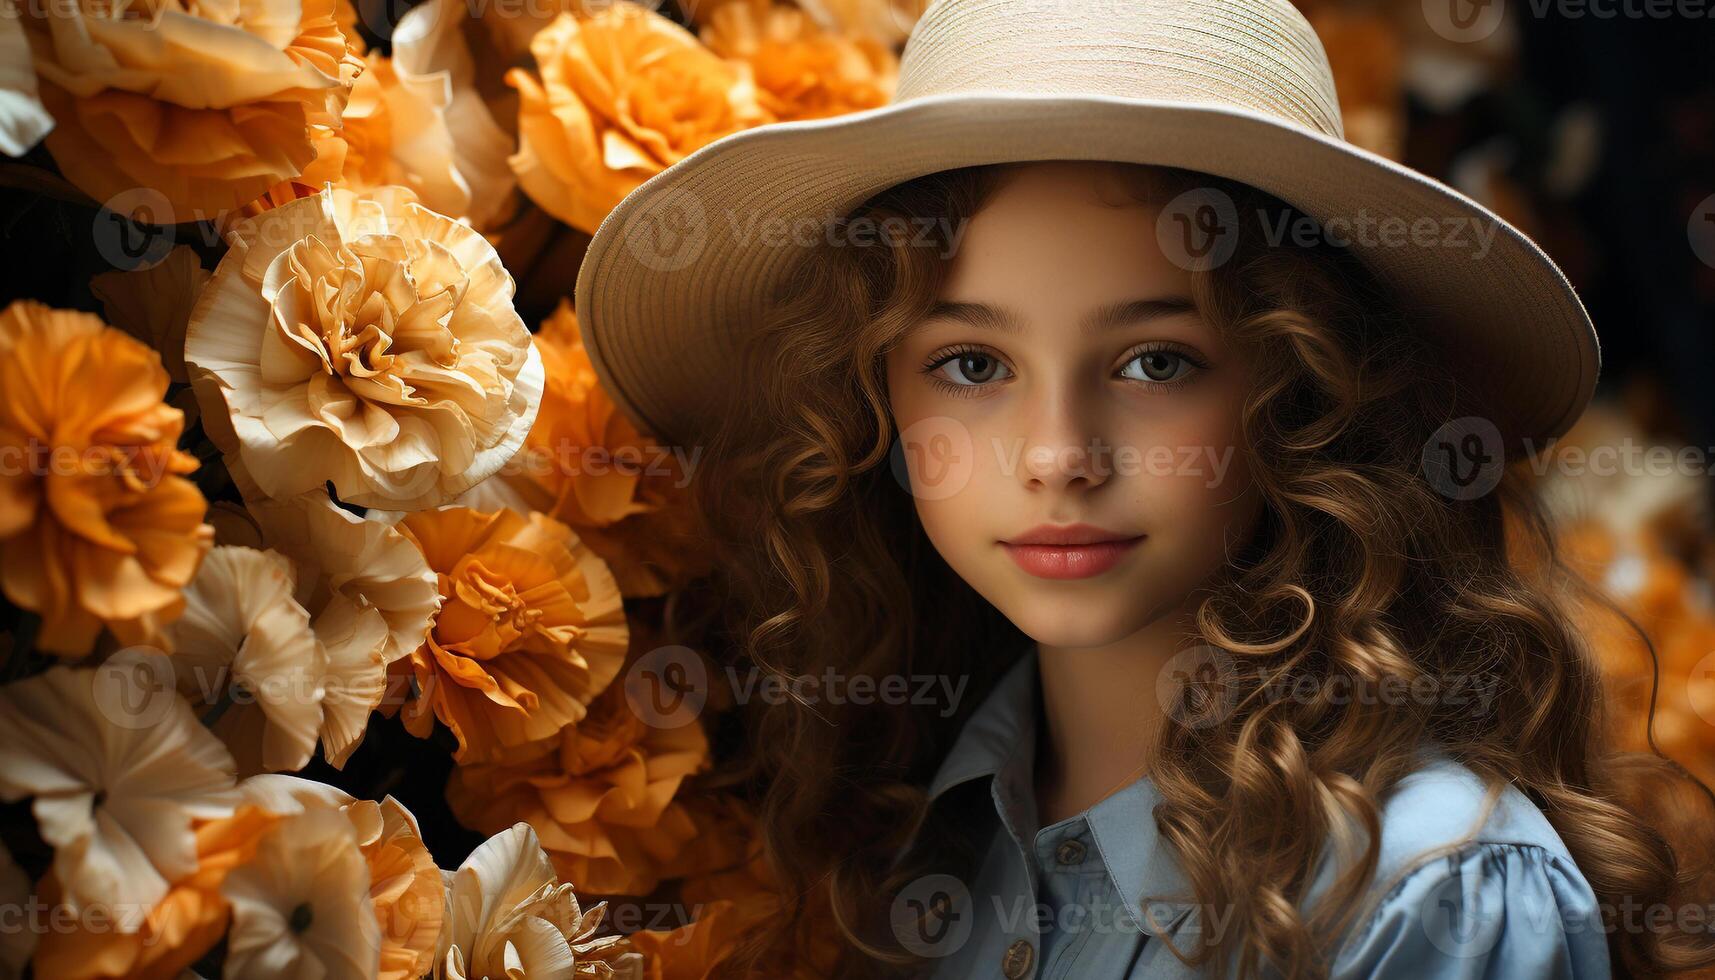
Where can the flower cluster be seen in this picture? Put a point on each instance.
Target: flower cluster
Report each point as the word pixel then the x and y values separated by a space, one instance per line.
pixel 319 536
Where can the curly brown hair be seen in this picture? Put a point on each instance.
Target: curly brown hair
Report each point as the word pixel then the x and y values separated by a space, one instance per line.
pixel 1360 570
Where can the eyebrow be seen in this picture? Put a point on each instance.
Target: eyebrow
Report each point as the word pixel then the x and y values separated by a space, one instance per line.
pixel 1123 313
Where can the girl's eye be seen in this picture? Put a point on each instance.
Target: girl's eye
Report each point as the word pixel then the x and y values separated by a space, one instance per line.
pixel 972 368
pixel 1158 367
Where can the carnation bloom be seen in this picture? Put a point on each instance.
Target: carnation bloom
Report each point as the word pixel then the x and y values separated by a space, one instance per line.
pixel 620 96
pixel 600 797
pixel 177 932
pixel 586 465
pixel 416 119
pixel 367 561
pixel 301 908
pixel 246 657
pixel 801 70
pixel 207 104
pixel 509 916
pixel 364 341
pixel 530 630
pixel 117 783
pixel 370 595
pixel 405 886
pixel 97 524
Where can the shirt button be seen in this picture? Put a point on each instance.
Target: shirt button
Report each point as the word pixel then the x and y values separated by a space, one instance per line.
pixel 1070 851
pixel 1018 959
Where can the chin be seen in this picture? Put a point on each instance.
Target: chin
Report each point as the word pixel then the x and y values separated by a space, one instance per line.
pixel 1071 622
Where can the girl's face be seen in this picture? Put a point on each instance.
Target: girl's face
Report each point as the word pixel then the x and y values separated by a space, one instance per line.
pixel 1070 425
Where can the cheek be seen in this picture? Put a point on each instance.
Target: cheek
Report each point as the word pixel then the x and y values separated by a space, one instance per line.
pixel 1194 479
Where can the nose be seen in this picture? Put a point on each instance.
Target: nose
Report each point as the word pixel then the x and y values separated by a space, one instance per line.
pixel 1063 449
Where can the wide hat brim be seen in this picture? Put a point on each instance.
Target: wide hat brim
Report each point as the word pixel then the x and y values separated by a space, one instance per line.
pixel 687 263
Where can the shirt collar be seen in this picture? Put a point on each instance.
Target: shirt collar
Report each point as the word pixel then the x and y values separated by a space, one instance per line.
pixel 999 740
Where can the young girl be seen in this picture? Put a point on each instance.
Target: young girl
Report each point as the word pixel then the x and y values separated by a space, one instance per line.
pixel 1201 492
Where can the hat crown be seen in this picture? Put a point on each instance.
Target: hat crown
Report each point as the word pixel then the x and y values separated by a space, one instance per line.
pixel 1255 55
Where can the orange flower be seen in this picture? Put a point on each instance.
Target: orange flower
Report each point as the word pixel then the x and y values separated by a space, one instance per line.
pixel 802 71
pixel 207 104
pixel 176 932
pixel 732 892
pixel 97 524
pixel 415 119
pixel 406 888
pixel 692 951
pixel 621 96
pixel 1367 56
pixel 887 21
pixel 530 629
pixel 586 465
pixel 600 796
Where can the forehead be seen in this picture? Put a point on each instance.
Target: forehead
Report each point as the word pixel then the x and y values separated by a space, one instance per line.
pixel 1057 234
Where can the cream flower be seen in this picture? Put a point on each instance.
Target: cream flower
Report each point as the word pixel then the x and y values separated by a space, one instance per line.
pixel 364 341
pixel 176 933
pixel 509 916
pixel 353 637
pixel 23 118
pixel 246 657
pixel 367 561
pixel 416 119
pixel 207 103
pixel 117 782
pixel 301 908
pixel 370 595
pixel 154 304
pixel 405 888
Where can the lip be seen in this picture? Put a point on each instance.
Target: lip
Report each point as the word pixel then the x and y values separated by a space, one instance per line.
pixel 1069 551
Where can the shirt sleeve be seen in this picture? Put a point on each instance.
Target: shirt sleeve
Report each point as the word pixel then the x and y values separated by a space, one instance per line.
pixel 1500 911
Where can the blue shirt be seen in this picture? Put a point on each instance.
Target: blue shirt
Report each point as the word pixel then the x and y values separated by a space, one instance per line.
pixel 1457 893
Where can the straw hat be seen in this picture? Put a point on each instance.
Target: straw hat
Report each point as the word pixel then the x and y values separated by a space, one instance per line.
pixel 1236 88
